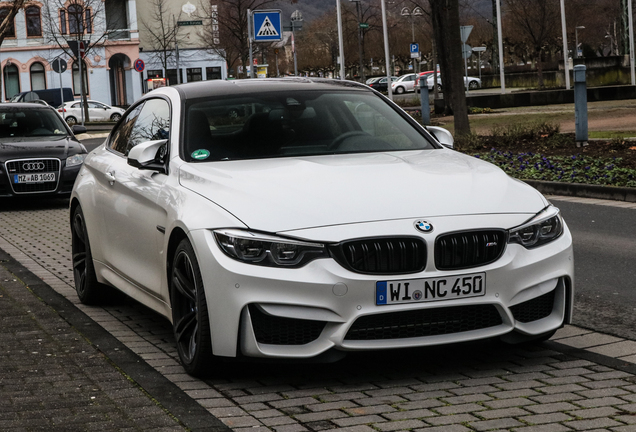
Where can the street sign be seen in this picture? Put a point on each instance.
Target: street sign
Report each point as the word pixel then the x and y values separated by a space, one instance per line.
pixel 363 25
pixel 465 32
pixel 78 48
pixel 139 65
pixel 415 50
pixel 467 51
pixel 479 49
pixel 189 23
pixel 267 25
pixel 59 65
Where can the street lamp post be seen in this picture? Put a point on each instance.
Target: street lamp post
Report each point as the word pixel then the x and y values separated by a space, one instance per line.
pixel 412 13
pixel 576 39
pixel 296 21
pixel 360 36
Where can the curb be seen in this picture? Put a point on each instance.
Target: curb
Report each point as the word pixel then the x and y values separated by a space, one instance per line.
pixel 85 136
pixel 580 190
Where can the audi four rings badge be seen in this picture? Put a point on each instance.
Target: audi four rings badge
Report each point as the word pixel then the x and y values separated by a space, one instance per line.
pixel 424 226
pixel 33 166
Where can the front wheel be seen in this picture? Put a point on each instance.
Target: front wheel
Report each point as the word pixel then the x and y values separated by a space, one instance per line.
pixel 399 90
pixel 70 120
pixel 89 290
pixel 190 312
pixel 115 117
pixel 473 85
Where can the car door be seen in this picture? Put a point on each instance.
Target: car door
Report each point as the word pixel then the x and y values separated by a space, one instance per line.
pixel 131 214
pixel 96 111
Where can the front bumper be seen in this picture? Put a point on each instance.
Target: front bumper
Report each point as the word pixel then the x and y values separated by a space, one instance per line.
pixel 61 188
pixel 300 313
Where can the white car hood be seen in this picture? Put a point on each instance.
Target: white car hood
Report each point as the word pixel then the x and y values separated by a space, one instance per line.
pixel 285 194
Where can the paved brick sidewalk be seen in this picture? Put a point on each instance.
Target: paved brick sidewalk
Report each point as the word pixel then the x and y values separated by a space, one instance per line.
pixel 51 378
pixel 470 387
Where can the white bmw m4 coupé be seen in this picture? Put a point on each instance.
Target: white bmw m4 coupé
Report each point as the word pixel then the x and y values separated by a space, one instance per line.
pixel 296 218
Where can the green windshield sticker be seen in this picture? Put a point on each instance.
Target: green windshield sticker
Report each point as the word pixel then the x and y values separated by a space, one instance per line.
pixel 200 154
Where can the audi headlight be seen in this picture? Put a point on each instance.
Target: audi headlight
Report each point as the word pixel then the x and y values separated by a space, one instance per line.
pixel 546 226
pixel 266 250
pixel 77 159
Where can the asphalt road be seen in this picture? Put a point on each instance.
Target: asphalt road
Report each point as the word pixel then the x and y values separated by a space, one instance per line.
pixel 605 267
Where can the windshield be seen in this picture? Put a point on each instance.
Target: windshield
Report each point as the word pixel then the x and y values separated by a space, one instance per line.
pixel 294 124
pixel 30 122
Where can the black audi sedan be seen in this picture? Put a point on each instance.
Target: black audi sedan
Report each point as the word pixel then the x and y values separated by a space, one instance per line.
pixel 39 154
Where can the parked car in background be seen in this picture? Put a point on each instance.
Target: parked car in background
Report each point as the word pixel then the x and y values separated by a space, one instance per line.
pixel 404 83
pixel 370 80
pixel 420 76
pixel 224 225
pixel 381 84
pixel 54 97
pixel 470 82
pixel 97 111
pixel 39 154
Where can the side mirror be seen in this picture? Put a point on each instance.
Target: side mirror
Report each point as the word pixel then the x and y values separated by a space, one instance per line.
pixel 148 155
pixel 443 136
pixel 78 129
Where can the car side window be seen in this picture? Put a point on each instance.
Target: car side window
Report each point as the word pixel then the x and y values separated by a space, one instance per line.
pixel 77 105
pixel 152 124
pixel 120 136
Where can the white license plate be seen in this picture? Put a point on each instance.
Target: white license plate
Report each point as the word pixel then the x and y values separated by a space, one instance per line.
pixel 34 178
pixel 431 289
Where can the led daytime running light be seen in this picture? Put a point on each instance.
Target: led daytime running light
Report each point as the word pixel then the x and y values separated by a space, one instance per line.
pixel 543 228
pixel 266 250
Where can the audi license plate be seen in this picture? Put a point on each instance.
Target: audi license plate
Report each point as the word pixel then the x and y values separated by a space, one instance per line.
pixel 431 289
pixel 33 178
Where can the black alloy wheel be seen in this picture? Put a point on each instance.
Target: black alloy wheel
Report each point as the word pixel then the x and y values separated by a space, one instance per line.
pixel 89 290
pixel 473 85
pixel 115 117
pixel 190 313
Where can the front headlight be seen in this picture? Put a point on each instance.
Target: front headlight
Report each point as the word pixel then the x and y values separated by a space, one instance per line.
pixel 546 226
pixel 266 250
pixel 77 159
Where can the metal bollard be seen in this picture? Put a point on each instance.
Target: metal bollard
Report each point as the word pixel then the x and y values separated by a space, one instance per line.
pixel 426 108
pixel 580 105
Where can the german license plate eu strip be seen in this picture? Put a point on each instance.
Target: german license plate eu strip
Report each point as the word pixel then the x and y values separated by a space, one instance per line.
pixel 430 289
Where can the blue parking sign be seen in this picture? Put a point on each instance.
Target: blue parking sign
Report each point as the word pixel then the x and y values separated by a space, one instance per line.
pixel 267 25
pixel 415 48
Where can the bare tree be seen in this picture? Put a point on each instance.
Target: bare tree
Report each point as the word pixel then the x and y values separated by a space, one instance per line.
pixel 7 23
pixel 75 21
pixel 163 33
pixel 537 22
pixel 445 15
pixel 233 41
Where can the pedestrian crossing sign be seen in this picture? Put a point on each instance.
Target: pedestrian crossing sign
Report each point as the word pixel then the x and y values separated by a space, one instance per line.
pixel 267 25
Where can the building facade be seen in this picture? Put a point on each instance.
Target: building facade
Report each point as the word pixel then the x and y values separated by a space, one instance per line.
pixel 41 32
pixel 180 54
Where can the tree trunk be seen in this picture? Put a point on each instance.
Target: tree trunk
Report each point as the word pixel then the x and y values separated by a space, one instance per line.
pixel 445 14
pixel 540 67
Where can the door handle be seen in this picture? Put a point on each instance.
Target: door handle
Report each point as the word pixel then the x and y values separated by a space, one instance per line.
pixel 110 175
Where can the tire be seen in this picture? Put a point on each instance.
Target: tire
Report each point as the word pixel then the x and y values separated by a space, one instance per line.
pixel 70 120
pixel 89 290
pixel 473 85
pixel 190 312
pixel 439 87
pixel 399 90
pixel 115 117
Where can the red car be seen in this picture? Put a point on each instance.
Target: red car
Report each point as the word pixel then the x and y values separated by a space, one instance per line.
pixel 426 74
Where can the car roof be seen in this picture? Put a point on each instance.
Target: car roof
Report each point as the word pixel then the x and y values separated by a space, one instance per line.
pixel 23 105
pixel 211 88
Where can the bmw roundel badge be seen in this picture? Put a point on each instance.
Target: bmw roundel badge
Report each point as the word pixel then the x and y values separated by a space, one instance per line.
pixel 424 226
